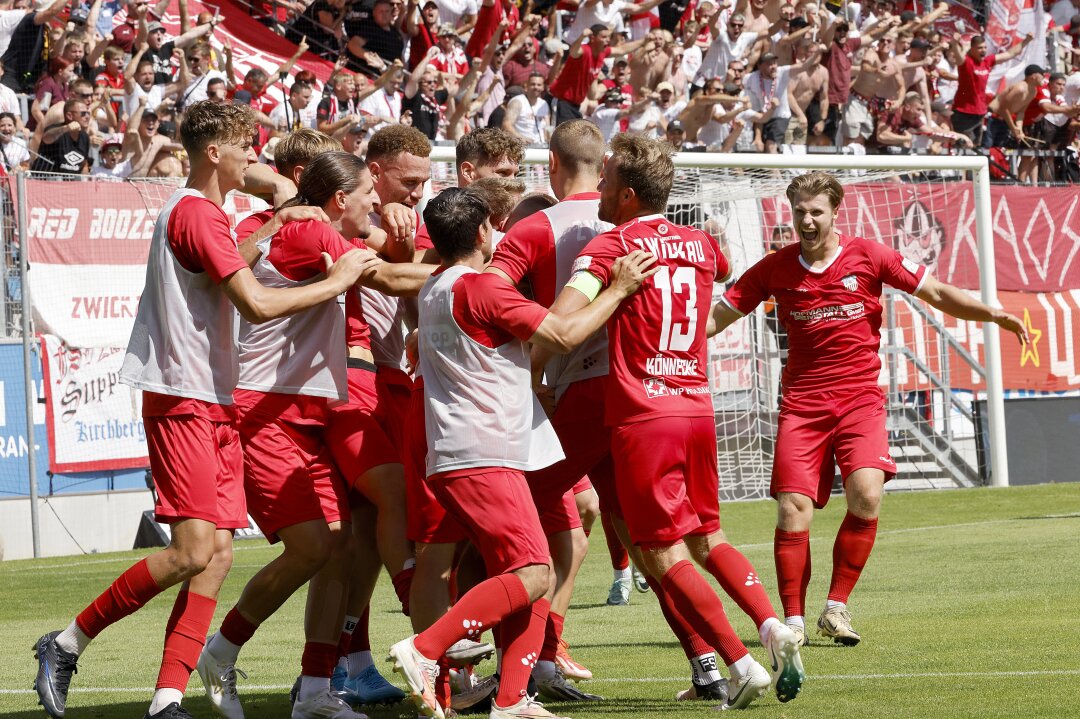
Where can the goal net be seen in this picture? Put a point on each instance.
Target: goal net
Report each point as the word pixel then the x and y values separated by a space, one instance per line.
pixel 933 367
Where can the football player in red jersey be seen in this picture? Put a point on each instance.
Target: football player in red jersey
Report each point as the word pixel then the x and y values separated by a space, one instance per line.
pixel 828 294
pixel 659 406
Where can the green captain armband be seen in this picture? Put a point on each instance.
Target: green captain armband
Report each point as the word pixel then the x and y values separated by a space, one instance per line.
pixel 586 283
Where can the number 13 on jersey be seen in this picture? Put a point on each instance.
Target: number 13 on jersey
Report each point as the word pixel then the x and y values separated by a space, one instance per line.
pixel 678 292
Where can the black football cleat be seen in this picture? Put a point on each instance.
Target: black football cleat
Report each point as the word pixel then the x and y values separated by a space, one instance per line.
pixel 55 667
pixel 172 711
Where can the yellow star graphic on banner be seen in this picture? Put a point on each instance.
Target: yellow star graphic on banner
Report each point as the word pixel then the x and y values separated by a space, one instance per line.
pixel 1031 349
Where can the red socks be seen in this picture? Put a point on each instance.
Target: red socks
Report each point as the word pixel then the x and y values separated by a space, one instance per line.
pixel 522 634
pixel 318 660
pixel 552 635
pixel 698 603
pixel 402 585
pixel 791 551
pixel 620 559
pixel 131 590
pixel 850 552
pixel 486 604
pixel 237 629
pixel 692 643
pixel 185 635
pixel 738 578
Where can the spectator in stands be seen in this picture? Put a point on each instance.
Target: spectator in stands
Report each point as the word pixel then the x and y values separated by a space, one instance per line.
pixel 9 102
pixel 838 58
pixel 729 43
pixel 217 91
pixel 906 128
pixel 425 101
pixel 160 52
pixel 383 106
pixel 524 61
pixel 421 26
pixel 375 44
pixel 111 165
pixel 198 62
pixel 582 68
pixel 142 81
pixel 769 88
pixel 495 119
pixel 65 146
pixel 150 152
pixel 675 134
pixel 969 105
pixel 528 116
pixel 13 152
pixel 294 114
pixel 103 117
pixel 450 58
pixel 111 77
pixel 1004 128
pixel 337 112
pixel 23 57
pixel 52 88
pixel 670 108
pixel 74 51
pixel 320 23
pixel 809 91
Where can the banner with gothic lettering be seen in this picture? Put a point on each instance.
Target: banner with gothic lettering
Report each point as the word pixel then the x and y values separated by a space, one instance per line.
pixel 94 422
pixel 1036 230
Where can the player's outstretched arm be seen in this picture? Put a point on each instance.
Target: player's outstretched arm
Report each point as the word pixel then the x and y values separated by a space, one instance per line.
pixel 562 333
pixel 963 306
pixel 720 317
pixel 398 279
pixel 258 304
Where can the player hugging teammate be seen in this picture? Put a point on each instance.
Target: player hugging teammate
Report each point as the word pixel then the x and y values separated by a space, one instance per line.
pixel 446 470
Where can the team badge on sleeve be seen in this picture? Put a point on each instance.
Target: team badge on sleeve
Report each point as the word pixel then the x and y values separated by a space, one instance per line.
pixel 581 264
pixel 910 266
pixel 851 283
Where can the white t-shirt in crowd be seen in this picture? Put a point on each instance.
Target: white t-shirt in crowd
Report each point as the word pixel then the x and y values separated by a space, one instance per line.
pixel 607 119
pixel 721 52
pixel 532 120
pixel 451 11
pixel 196 89
pixel 760 90
pixel 382 104
pixel 640 124
pixel 280 119
pixel 13 153
pixel 8 20
pixel 608 14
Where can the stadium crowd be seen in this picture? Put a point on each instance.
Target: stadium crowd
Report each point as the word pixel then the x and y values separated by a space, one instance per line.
pixel 732 76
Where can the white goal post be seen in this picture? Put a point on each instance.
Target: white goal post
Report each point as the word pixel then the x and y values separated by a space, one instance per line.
pixel 915 191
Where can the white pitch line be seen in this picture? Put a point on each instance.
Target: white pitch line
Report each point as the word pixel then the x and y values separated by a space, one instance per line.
pixel 645 680
pixel 102 561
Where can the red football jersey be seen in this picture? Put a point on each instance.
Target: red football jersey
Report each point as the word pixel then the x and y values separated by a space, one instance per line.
pixel 657 336
pixel 832 315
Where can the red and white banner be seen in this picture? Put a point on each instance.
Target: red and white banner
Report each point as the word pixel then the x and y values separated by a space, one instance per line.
pixel 1036 230
pixel 1050 363
pixel 94 422
pixel 1007 23
pixel 88 247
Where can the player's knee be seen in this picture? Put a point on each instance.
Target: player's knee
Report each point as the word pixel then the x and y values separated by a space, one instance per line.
pixel 190 561
pixel 537 578
pixel 794 511
pixel 581 545
pixel 588 504
pixel 310 555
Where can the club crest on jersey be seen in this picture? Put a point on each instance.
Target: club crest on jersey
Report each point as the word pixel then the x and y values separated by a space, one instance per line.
pixel 662 229
pixel 655 387
pixel 850 283
pixel 581 263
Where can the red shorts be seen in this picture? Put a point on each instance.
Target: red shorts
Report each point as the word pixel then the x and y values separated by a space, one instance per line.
pixel 495 507
pixel 289 475
pixel 428 522
pixel 394 389
pixel 356 439
pixel 198 470
pixel 668 485
pixel 586 442
pixel 816 432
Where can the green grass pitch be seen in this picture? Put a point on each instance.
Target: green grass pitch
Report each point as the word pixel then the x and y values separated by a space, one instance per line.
pixel 965 610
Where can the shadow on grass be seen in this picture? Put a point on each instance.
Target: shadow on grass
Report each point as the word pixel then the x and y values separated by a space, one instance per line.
pixel 265 705
pixel 657 707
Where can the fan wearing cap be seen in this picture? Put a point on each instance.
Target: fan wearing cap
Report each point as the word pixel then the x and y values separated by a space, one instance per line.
pixel 150 153
pixel 1008 107
pixel 160 51
pixel 676 137
pixel 449 58
pixel 111 165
